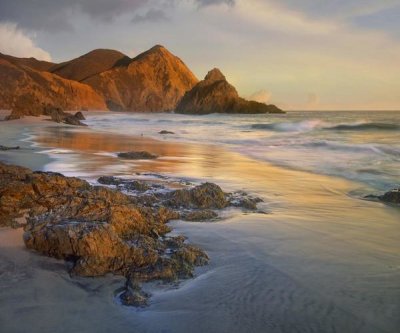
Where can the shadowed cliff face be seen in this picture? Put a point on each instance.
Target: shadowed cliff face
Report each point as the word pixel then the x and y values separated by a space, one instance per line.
pixel 18 80
pixel 153 81
pixel 216 95
pixel 90 64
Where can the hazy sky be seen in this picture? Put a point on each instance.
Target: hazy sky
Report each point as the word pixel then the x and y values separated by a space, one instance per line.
pixel 299 54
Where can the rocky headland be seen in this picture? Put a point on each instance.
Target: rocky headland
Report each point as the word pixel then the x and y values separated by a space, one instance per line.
pixel 119 227
pixel 216 95
pixel 153 81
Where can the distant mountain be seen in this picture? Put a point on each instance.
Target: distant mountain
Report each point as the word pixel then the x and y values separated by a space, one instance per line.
pixel 153 81
pixel 92 63
pixel 216 95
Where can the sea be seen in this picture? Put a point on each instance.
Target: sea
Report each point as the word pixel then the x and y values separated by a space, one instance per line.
pixel 318 256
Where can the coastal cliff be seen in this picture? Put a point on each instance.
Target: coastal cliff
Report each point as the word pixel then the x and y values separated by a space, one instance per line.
pixel 154 81
pixel 216 95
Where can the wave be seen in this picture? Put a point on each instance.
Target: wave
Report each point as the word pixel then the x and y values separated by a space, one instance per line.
pixel 365 126
pixel 309 125
pixel 302 126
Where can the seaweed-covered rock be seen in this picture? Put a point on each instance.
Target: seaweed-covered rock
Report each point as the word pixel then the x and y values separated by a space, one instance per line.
pixel 204 196
pixel 137 155
pixel 200 215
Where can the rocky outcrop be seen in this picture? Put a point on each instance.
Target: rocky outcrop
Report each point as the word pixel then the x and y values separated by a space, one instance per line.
pixel 97 229
pixel 153 81
pixel 101 230
pixel 59 116
pixel 27 105
pixel 215 95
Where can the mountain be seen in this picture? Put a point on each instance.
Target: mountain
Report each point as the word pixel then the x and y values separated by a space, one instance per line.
pixel 153 81
pixel 22 82
pixel 216 95
pixel 33 63
pixel 92 63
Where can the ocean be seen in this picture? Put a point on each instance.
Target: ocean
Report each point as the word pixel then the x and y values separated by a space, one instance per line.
pixel 361 146
pixel 318 258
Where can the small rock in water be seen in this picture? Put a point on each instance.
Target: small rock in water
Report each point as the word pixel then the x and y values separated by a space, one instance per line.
pixel 8 148
pixel 137 155
pixel 79 115
pixel 393 196
pixel 165 132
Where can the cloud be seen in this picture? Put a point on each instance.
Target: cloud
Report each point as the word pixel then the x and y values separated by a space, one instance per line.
pixel 14 41
pixel 203 3
pixel 262 96
pixel 152 15
pixel 56 14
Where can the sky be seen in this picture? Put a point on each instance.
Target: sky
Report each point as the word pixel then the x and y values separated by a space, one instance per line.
pixel 298 54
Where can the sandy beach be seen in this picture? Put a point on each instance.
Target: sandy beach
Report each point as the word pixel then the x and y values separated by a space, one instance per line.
pixel 319 260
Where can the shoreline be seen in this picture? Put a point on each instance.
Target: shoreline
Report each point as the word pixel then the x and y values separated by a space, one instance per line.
pixel 289 256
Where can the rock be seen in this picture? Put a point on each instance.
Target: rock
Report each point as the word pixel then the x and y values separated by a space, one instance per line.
pixel 8 148
pixel 243 200
pixel 79 115
pixel 137 155
pixel 200 215
pixel 136 186
pixel 72 120
pixel 97 229
pixel 215 95
pixel 133 295
pixel 392 196
pixel 59 116
pixel 165 132
pixel 110 180
pixel 14 116
pixel 56 114
pixel 204 196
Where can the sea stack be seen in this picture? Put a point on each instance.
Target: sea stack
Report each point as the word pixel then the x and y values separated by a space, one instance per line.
pixel 216 95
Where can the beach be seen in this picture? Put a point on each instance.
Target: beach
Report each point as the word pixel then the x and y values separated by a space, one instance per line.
pixel 317 258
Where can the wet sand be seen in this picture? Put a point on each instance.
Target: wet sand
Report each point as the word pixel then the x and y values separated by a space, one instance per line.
pixel 321 261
